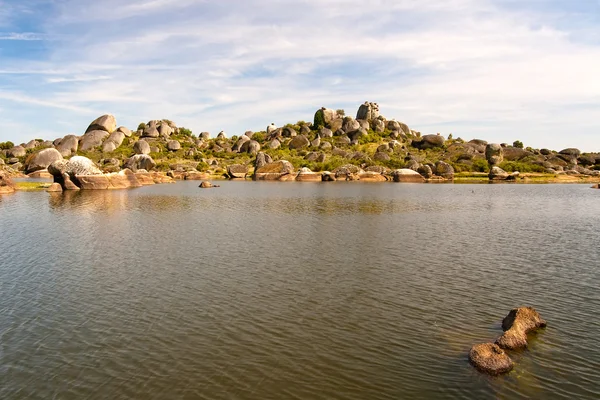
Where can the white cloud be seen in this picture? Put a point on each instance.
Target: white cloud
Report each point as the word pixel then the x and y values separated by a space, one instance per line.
pixel 464 66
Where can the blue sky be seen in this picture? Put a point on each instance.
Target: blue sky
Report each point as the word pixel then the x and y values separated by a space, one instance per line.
pixel 498 70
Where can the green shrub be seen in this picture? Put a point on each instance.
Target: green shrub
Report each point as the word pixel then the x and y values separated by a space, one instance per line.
pixel 319 121
pixel 514 166
pixel 480 165
pixel 259 137
pixel 141 126
pixel 202 166
pixel 518 144
pixel 185 132
pixel 6 145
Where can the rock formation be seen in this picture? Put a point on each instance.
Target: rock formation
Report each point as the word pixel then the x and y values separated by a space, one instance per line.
pixel 516 325
pixel 491 359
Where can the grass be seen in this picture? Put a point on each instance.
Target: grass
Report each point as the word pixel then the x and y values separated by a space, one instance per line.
pixel 32 186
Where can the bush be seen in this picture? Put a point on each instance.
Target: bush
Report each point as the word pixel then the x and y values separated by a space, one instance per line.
pixel 259 137
pixel 514 166
pixel 480 165
pixel 518 144
pixel 340 112
pixel 319 121
pixel 141 126
pixel 202 166
pixel 6 145
pixel 185 132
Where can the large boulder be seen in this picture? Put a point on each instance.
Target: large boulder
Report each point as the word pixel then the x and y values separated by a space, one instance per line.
pixel 306 175
pixel 262 159
pixel 516 325
pixel 6 184
pixel 407 175
pixel 65 172
pixel 41 160
pixel 299 142
pixel 429 142
pixel 288 132
pixel 173 145
pixel 378 125
pixel 106 123
pixel 16 151
pixel 274 144
pixel 371 176
pixel 113 142
pixel 68 145
pixel 494 154
pixel 570 152
pixel 368 111
pixel 350 125
pixel 444 170
pixel 425 171
pixel 238 171
pixel 273 171
pixel 498 174
pixel 125 131
pixel 92 139
pixel 140 161
pixel 271 128
pixel 141 147
pixel 239 143
pixel 491 359
pixel 515 153
pixel 347 172
pixel 165 130
pixel 151 131
pixel 251 147
pixel 120 180
pixel 324 117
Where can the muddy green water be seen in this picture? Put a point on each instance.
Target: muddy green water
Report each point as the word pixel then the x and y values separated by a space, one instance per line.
pixel 296 291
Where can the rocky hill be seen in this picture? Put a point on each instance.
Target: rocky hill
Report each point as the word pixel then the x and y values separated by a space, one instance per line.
pixel 333 146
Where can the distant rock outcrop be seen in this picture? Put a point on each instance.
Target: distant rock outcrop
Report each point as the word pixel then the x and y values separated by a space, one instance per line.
pixel 106 123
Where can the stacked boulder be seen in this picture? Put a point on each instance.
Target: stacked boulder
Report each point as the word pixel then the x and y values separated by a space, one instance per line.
pixel 491 358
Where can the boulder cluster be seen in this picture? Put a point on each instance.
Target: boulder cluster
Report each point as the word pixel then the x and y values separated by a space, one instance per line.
pixel 334 146
pixel 491 357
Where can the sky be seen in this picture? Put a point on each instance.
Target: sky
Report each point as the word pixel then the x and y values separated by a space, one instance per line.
pixel 498 70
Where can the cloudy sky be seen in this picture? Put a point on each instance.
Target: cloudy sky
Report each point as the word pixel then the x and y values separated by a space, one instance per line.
pixel 499 70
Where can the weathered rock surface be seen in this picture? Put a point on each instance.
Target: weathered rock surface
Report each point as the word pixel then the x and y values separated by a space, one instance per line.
pixel 368 111
pixel 125 131
pixel 306 175
pixel 113 141
pixel 444 170
pixel 407 175
pixel 494 154
pixel 237 171
pixel 371 176
pixel 106 123
pixel 68 145
pixel 92 139
pixel 173 145
pixel 262 159
pixel 17 151
pixel 41 160
pixel 55 187
pixel 299 142
pixel 516 325
pixel 141 147
pixel 273 170
pixel 121 180
pixel 6 184
pixel 140 161
pixel 429 142
pixel 498 174
pixel 491 359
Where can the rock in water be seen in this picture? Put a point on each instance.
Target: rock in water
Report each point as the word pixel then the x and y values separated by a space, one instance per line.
pixel 273 171
pixel 106 123
pixel 489 358
pixel 516 325
pixel 498 174
pixel 6 184
pixel 407 175
pixel 206 185
pixel 237 171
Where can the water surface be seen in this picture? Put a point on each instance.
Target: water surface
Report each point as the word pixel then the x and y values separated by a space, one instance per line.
pixel 260 290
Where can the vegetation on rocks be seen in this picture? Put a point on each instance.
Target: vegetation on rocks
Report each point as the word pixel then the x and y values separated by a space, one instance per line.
pixel 334 139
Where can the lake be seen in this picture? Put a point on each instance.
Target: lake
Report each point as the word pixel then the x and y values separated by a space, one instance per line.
pixel 264 290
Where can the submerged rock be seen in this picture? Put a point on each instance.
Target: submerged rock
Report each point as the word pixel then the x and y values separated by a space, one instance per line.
pixel 490 358
pixel 516 325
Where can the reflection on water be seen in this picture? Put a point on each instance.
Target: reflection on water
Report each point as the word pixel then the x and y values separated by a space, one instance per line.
pixel 274 291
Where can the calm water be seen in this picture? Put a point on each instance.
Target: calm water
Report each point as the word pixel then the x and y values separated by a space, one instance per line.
pixel 296 291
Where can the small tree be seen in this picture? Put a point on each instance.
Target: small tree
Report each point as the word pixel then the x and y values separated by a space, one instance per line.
pixel 518 144
pixel 340 112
